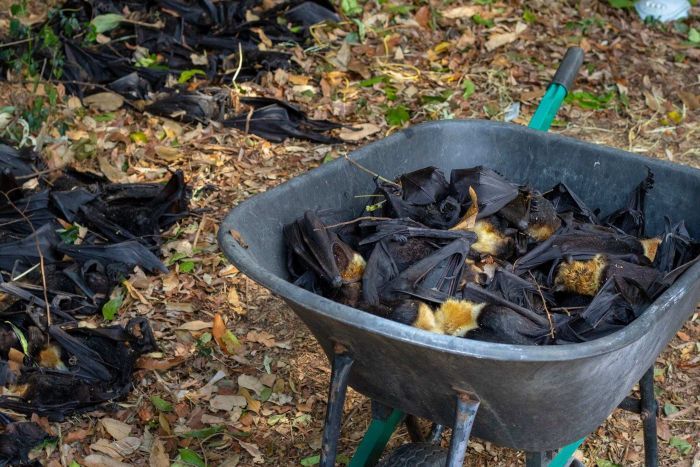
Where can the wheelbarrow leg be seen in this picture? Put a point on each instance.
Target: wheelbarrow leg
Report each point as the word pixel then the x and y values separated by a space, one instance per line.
pixel 340 373
pixel 467 405
pixel 417 435
pixel 649 409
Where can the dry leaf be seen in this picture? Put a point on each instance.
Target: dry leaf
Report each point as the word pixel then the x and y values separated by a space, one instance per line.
pixel 117 449
pixel 164 423
pixel 358 132
pixel 461 12
pixel 147 363
pixel 253 450
pixel 251 382
pixel 77 435
pixel 112 173
pixel 158 457
pixel 501 39
pixel 261 337
pixel 422 16
pixel 116 429
pixel 226 403
pixel 225 338
pixel 104 101
pixel 235 302
pixel 98 460
pixel 196 325
pixel 652 102
pixel 252 404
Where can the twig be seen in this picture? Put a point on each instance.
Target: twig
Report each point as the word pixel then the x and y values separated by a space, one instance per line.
pixel 544 304
pixel 375 175
pixel 199 229
pixel 364 218
pixel 240 64
pixel 37 174
pixel 41 257
pixel 10 44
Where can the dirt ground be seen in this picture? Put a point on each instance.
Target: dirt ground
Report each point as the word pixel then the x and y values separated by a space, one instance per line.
pixel 642 85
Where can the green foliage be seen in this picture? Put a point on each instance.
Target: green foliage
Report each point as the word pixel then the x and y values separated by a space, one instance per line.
pixel 20 336
pixel 478 19
pixel 350 7
pixel 110 309
pixel 669 408
pixel 397 115
pixel 204 432
pixel 106 22
pixel 606 463
pixel 69 235
pixel 311 460
pixel 682 445
pixel 529 17
pixel 623 4
pixel 187 75
pixel 161 404
pixel 186 266
pixel 189 457
pixel 589 101
pixel 693 36
pixel 468 87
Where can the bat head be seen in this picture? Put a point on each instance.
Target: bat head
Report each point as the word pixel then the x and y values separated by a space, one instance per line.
pixel 581 277
pixel 651 246
pixel 491 240
pixel 457 317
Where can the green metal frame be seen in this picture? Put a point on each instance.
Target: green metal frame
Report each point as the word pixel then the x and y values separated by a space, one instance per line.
pixel 379 431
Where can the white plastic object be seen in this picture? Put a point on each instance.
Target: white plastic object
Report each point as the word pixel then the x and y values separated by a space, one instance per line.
pixel 663 10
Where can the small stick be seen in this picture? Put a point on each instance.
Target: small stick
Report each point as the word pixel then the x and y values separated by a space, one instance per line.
pixel 364 218
pixel 37 174
pixel 375 175
pixel 544 304
pixel 199 229
pixel 10 44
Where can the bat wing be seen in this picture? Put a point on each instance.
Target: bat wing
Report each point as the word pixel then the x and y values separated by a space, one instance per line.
pixel 433 278
pixel 564 201
pixel 380 270
pixel 493 192
pixel 630 219
pixel 424 186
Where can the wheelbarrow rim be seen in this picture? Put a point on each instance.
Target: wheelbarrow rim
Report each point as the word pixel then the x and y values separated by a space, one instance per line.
pixel 368 322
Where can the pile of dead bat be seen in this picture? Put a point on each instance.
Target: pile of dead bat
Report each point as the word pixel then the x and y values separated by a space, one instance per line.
pixel 152 48
pixel 483 258
pixel 66 240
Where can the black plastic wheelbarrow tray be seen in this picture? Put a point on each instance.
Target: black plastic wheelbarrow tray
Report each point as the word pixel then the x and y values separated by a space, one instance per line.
pixel 529 398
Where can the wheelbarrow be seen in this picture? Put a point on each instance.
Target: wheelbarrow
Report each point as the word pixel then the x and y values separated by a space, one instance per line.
pixel 540 399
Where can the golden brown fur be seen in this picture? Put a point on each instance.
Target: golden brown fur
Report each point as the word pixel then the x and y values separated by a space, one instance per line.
pixel 490 240
pixel 651 246
pixel 354 270
pixel 581 277
pixel 457 317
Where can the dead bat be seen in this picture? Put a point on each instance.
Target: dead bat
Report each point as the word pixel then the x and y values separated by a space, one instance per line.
pixel 581 244
pixel 518 290
pixel 423 187
pixel 630 219
pixel 129 253
pixel 492 190
pixel 565 201
pixel 532 214
pixel 433 278
pixel 439 215
pixel 585 277
pixel 310 242
pixel 18 439
pixel 607 313
pixel 403 229
pixel 676 247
